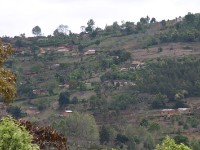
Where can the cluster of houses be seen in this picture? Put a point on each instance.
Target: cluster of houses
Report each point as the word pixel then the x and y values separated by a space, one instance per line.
pixel 32 111
pixel 62 48
pixel 119 83
pixel 172 112
pixel 134 65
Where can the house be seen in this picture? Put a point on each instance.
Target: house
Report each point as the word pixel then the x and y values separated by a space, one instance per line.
pixel 64 86
pixel 124 69
pixel 75 54
pixel 66 113
pixel 184 110
pixel 167 112
pixel 69 47
pixel 19 51
pixel 90 52
pixel 119 83
pixel 88 84
pixel 136 65
pixel 40 92
pixel 42 51
pixel 32 111
pixel 54 66
pixel 62 49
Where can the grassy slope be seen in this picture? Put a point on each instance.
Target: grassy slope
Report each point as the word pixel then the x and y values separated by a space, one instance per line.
pixel 131 43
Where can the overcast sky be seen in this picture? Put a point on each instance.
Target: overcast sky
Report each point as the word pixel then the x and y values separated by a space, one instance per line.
pixel 20 16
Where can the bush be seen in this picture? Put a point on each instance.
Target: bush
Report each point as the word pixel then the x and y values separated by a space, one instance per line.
pixel 160 49
pixel 169 143
pixel 181 139
pixel 15 111
pixel 14 136
pixel 64 99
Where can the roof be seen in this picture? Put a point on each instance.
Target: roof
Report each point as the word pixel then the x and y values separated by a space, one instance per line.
pixel 137 62
pixel 183 109
pixel 91 50
pixel 68 111
pixel 167 109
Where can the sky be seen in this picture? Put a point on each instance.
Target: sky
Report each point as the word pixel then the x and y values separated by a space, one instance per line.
pixel 20 16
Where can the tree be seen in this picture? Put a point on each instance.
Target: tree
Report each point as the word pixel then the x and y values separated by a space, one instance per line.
pixel 169 144
pixel 63 29
pixel 128 28
pixel 121 138
pixel 90 26
pixel 80 47
pixel 51 88
pixel 116 27
pixel 149 142
pixel 181 139
pixel 104 135
pixel 97 42
pixel 190 18
pixel 153 20
pixel 159 101
pixel 195 144
pixel 23 35
pixel 139 27
pixel 36 30
pixel 163 23
pixel 34 51
pixel 14 136
pixel 18 43
pixel 132 138
pixel 15 111
pixel 7 78
pixel 74 100
pixel 144 123
pixel 143 21
pixel 57 33
pixel 81 126
pixel 147 18
pixel 154 127
pixel 90 23
pixel 64 98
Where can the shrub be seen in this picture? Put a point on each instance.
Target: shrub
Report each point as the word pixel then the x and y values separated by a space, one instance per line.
pixel 14 136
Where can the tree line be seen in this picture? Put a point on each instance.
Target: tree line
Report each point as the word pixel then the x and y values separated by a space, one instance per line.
pixel 185 29
pixel 173 78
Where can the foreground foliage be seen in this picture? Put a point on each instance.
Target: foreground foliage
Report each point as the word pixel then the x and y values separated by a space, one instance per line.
pixel 14 136
pixel 45 137
pixel 169 144
pixel 7 78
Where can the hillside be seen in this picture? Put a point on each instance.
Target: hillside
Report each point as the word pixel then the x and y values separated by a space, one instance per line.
pixel 128 83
